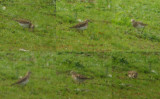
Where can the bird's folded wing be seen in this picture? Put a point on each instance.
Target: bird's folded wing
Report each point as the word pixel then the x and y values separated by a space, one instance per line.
pixel 81 76
pixel 142 23
pixel 23 21
pixel 79 25
pixel 20 80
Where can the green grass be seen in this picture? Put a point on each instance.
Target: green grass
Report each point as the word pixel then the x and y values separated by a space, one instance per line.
pixel 14 37
pixel 111 29
pixel 50 75
pixel 106 51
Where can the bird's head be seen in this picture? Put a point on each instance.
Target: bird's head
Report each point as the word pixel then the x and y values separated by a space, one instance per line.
pixel 132 20
pixel 29 72
pixel 88 20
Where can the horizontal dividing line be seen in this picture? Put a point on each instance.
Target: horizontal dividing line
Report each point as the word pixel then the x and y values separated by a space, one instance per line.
pixel 71 2
pixel 131 52
pixel 87 53
pixel 27 4
pixel 127 79
pixel 5 2
pixel 45 3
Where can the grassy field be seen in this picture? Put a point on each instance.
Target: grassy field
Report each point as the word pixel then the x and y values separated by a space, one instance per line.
pixel 111 28
pixel 106 51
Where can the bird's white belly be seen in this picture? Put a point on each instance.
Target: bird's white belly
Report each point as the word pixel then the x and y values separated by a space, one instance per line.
pixel 140 26
pixel 130 76
pixel 75 78
pixel 83 28
pixel 24 25
pixel 25 82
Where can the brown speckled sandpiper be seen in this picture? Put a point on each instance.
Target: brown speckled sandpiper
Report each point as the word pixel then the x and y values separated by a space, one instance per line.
pixel 25 23
pixel 24 80
pixel 81 25
pixel 138 24
pixel 78 77
pixel 132 74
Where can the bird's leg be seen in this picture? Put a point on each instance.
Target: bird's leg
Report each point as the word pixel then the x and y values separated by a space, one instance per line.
pixel 32 30
pixel 142 30
pixel 83 84
pixel 137 30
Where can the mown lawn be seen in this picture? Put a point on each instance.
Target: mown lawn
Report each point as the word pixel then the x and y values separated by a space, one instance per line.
pixel 40 13
pixel 51 75
pixel 111 28
pixel 106 51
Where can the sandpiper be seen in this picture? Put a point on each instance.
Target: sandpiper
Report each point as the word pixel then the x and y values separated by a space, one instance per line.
pixel 138 24
pixel 132 74
pixel 77 77
pixel 81 25
pixel 25 23
pixel 24 80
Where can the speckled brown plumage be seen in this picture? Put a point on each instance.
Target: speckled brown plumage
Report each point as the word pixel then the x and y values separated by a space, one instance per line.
pixel 78 77
pixel 81 25
pixel 25 23
pixel 132 74
pixel 23 80
pixel 137 24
